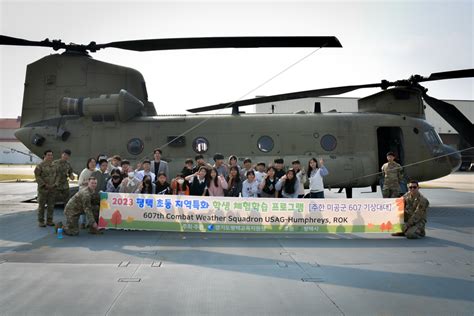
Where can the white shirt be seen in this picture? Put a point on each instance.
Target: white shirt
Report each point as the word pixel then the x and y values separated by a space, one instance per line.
pixel 140 174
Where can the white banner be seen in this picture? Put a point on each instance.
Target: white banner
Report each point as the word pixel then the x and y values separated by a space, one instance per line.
pixel 244 215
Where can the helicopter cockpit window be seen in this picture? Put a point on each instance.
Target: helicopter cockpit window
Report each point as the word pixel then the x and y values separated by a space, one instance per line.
pixel 432 137
pixel 135 146
pixel 200 145
pixel 265 144
pixel 328 142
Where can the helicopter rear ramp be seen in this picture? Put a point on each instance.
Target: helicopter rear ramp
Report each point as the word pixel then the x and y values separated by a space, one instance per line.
pixel 150 273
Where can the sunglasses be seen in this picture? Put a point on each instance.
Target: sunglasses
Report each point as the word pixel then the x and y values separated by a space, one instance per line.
pixel 413 187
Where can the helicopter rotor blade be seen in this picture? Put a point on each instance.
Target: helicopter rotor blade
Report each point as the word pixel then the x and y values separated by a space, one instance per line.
pixel 455 74
pixel 186 43
pixel 224 42
pixel 287 96
pixel 8 40
pixel 453 116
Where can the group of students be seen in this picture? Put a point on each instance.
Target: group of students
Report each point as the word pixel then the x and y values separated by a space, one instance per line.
pixel 200 178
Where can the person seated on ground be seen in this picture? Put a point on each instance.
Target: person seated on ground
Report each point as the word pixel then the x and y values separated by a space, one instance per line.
pixel 234 184
pixel 146 165
pixel 289 185
pixel 198 182
pixel 162 186
pixel 146 186
pixel 81 203
pixel 188 168
pixel 113 185
pixel 129 184
pixel 416 207
pixel 250 186
pixel 179 186
pixel 267 186
pixel 217 183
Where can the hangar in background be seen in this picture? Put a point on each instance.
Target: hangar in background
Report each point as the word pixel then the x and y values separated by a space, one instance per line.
pixel 12 151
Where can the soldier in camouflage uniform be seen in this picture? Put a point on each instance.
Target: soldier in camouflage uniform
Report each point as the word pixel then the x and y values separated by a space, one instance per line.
pixel 416 207
pixel 392 173
pixel 79 204
pixel 45 175
pixel 63 172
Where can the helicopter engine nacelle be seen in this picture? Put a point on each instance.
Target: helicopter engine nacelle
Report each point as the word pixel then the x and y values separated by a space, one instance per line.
pixel 76 75
pixel 399 100
pixel 122 106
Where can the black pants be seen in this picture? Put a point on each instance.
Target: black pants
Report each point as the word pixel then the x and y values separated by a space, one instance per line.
pixel 315 195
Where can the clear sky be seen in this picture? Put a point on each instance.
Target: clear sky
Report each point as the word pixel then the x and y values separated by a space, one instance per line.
pixel 381 40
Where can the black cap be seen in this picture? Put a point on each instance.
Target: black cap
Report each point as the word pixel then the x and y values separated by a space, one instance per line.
pixel 218 156
pixel 146 161
pixel 278 160
pixel 391 153
pixel 67 151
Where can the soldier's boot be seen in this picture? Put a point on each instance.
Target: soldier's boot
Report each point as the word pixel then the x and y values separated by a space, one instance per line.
pixel 399 234
pixel 413 233
pixel 41 216
pixel 69 232
pixel 49 216
pixel 95 231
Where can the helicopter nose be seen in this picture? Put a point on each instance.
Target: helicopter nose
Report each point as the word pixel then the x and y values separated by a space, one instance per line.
pixel 22 135
pixel 454 157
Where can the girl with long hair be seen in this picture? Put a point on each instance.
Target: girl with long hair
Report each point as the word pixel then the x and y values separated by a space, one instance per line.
pixel 316 172
pixel 289 185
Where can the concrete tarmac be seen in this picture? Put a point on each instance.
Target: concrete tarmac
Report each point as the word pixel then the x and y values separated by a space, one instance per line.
pixel 160 273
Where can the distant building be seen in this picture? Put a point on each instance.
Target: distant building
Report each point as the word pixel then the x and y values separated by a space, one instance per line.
pixel 11 150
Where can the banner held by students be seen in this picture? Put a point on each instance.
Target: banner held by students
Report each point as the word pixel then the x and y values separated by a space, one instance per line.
pixel 250 215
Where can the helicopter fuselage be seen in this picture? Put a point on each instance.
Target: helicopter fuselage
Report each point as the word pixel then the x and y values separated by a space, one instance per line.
pixel 353 145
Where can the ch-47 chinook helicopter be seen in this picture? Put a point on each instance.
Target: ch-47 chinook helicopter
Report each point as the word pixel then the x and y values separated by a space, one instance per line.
pixel 91 107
